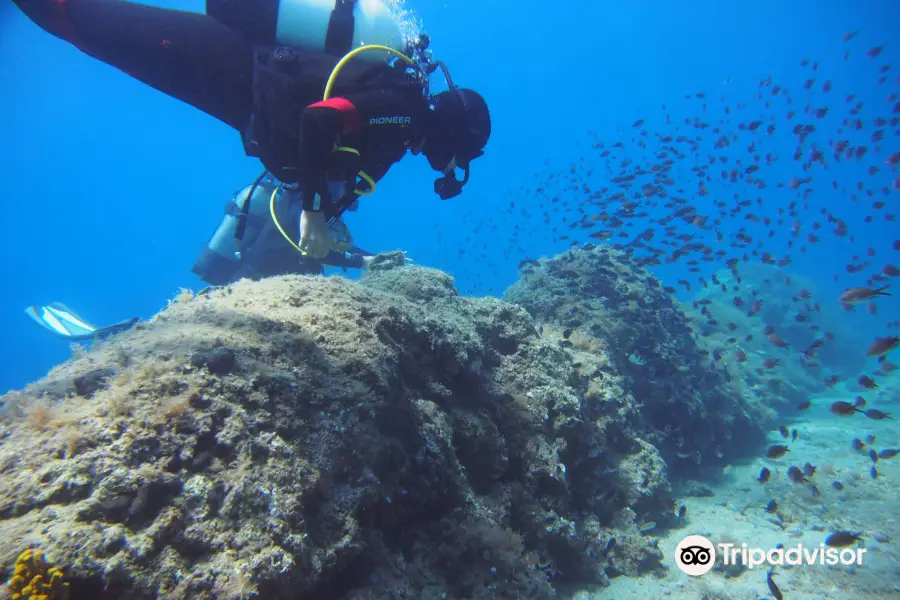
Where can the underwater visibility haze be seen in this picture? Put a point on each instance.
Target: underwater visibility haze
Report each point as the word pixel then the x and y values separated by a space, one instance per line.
pixel 649 351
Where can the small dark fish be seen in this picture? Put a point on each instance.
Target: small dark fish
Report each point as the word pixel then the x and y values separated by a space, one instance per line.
pixel 887 368
pixel 873 455
pixel 882 346
pixel 777 341
pixel 772 507
pixel 794 435
pixel 889 453
pixel 857 444
pixel 809 470
pixel 859 402
pixel 764 475
pixel 842 539
pixel 867 382
pixel 804 405
pixel 681 512
pixel 870 439
pixel 874 413
pixel 771 363
pixel 776 451
pixel 567 333
pixel 837 485
pixel 873 473
pixel 862 294
pixel 843 409
pixel 773 588
pixel 784 432
pixel 796 475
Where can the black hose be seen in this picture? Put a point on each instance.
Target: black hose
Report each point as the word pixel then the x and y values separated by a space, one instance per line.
pixel 245 210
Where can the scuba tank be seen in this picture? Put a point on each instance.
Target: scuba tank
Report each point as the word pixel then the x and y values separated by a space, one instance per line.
pixel 324 26
pixel 221 257
pixel 248 225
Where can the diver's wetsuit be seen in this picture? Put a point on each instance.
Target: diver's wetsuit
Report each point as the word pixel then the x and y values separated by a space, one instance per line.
pixel 268 254
pixel 267 93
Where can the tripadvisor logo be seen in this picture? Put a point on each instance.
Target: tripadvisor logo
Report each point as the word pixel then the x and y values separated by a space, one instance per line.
pixel 695 555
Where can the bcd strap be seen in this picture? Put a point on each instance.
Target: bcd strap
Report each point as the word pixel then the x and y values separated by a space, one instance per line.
pixel 334 211
pixel 245 209
pixel 339 36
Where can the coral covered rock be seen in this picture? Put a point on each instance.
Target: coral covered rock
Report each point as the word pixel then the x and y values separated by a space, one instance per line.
pixel 305 438
pixel 596 301
pixel 319 438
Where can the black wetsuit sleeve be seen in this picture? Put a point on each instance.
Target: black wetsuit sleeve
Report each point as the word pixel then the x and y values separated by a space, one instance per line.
pixel 352 259
pixel 186 55
pixel 325 123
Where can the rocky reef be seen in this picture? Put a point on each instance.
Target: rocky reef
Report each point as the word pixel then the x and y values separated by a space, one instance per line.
pixel 306 437
pixel 633 346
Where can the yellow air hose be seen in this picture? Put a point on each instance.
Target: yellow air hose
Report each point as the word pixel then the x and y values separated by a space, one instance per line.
pixel 328 87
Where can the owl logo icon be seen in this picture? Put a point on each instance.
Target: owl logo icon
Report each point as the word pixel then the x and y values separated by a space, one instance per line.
pixel 695 555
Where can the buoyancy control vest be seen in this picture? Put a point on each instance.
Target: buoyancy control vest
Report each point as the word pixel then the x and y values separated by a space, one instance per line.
pixel 286 81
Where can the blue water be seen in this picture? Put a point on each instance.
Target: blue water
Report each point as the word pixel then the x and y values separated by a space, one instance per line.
pixel 111 188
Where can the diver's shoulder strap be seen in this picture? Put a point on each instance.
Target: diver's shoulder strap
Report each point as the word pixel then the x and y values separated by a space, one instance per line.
pixel 339 35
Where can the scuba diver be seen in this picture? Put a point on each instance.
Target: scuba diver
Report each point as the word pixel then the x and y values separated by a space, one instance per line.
pixel 326 115
pixel 261 250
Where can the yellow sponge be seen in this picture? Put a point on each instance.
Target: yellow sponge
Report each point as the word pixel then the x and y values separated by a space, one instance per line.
pixel 34 579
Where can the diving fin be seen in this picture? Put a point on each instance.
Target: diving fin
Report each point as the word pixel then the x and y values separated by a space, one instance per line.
pixel 64 322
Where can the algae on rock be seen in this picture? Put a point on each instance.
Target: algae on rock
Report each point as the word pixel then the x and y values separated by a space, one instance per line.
pixel 307 437
pixel 597 301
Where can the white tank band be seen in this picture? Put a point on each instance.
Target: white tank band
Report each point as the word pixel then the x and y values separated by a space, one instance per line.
pixel 303 24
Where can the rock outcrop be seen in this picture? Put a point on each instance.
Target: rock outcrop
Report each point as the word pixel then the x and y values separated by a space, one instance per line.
pixel 308 437
pixel 633 345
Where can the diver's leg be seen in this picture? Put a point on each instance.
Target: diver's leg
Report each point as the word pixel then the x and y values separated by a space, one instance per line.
pixel 185 55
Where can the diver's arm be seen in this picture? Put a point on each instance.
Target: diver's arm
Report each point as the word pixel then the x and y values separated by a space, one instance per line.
pixel 324 123
pixel 185 55
pixel 351 259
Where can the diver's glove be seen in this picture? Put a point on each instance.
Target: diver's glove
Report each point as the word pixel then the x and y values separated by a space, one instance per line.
pixel 315 239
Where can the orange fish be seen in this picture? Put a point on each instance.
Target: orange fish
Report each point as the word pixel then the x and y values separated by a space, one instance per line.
pixel 882 346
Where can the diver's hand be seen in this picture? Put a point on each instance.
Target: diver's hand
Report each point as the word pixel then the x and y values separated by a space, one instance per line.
pixel 315 241
pixel 368 260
